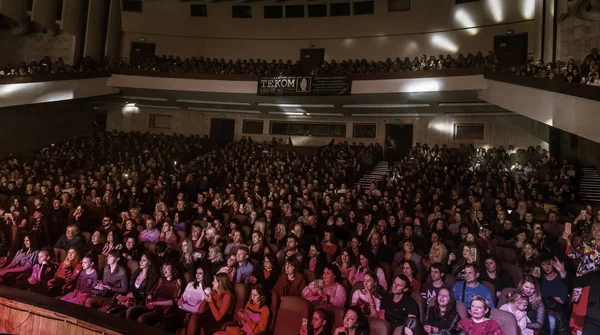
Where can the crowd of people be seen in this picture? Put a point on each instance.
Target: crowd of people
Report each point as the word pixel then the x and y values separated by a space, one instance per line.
pixel 47 65
pixel 136 226
pixel 169 63
pixel 586 73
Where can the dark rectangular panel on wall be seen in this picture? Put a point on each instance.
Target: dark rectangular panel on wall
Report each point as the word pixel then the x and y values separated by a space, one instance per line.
pixel 273 12
pixel 132 6
pixel 339 9
pixel 241 12
pixel 317 10
pixel 398 5
pixel 364 7
pixel 294 11
pixel 458 2
pixel 141 52
pixel 469 131
pixel 198 10
pixel 252 126
pixel 511 50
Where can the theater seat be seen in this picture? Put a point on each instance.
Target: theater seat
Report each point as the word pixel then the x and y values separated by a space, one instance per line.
pixel 133 266
pixel 515 272
pixel 150 246
pixel 461 309
pixel 101 262
pixel 417 297
pixel 506 255
pixel 504 296
pixel 241 296
pixel 289 317
pixel 378 326
pixel 310 275
pixel 492 290
pixel 506 320
pixel 338 313
pixel 450 280
pixel 86 236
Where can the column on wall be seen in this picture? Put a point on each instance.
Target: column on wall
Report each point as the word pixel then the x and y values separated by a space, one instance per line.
pixel 44 12
pixel 14 9
pixel 113 34
pixel 72 22
pixel 95 28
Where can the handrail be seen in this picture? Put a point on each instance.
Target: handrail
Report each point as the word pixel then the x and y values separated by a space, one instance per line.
pixel 55 309
pixel 42 77
pixel 558 86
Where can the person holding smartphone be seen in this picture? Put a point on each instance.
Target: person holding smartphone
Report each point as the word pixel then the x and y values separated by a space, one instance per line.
pixel 320 324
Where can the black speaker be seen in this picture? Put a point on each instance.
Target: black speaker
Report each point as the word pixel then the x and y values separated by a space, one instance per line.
pixel 311 59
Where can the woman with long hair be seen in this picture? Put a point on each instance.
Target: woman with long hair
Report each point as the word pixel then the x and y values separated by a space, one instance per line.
pixel 141 282
pixel 112 242
pixel 22 263
pixel 469 254
pixel 479 322
pixel 346 262
pixel 291 282
pixel 163 295
pixel 529 260
pixel 255 316
pixel 114 281
pixel 368 262
pixel 65 277
pixel 354 323
pixel 257 247
pixel 191 302
pixel 442 316
pixel 168 234
pixel 494 275
pixel 186 259
pixel 214 261
pixel 268 274
pixel 229 268
pixel 369 297
pixel 329 243
pixel 409 269
pixel 220 303
pixel 96 243
pixel 316 259
pixel 530 288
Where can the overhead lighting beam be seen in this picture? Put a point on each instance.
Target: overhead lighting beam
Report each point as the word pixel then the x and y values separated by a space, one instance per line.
pixel 158 107
pixel 459 104
pixel 232 103
pixel 386 105
pixel 268 104
pixel 143 98
pixel 220 110
pixel 394 115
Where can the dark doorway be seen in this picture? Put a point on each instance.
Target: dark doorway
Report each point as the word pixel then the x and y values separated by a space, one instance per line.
pixel 402 134
pixel 141 52
pixel 100 121
pixel 221 132
pixel 511 50
pixel 555 141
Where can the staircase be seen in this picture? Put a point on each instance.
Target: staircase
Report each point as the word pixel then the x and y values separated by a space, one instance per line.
pixel 589 185
pixel 379 171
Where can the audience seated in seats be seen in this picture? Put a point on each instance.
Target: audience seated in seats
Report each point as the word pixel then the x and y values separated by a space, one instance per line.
pixel 112 282
pixel 254 318
pixel 494 275
pixel 465 290
pixel 328 289
pixel 479 323
pixel 141 282
pixel 368 298
pixel 434 200
pixel 517 306
pixel 397 305
pixel 291 282
pixel 355 322
pixel 367 262
pixel 87 280
pixel 432 287
pixel 161 297
pixel 22 263
pixel 41 273
pixel 441 316
pixel 321 323
pixel 65 278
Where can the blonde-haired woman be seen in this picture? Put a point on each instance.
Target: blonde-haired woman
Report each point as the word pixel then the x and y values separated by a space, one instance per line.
pixel 530 288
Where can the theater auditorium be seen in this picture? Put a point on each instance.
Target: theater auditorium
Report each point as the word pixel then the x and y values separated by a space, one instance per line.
pixel 310 167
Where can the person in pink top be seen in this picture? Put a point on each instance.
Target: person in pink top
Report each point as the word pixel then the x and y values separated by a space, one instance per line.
pixel 478 323
pixel 328 289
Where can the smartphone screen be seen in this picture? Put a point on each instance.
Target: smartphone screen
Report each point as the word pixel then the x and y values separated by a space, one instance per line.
pixel 568 228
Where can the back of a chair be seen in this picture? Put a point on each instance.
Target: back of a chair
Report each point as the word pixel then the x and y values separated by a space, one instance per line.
pixel 387 271
pixel 62 255
pixel 181 234
pixel 492 290
pixel 241 296
pixel 506 255
pixel 506 320
pixel 338 313
pixel 359 285
pixel 461 309
pixel 379 327
pixel 503 298
pixel 150 246
pixel 86 236
pixel 450 280
pixel 309 275
pixel 133 266
pixel 289 317
pixel 515 272
pixel 419 299
pixel 101 263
